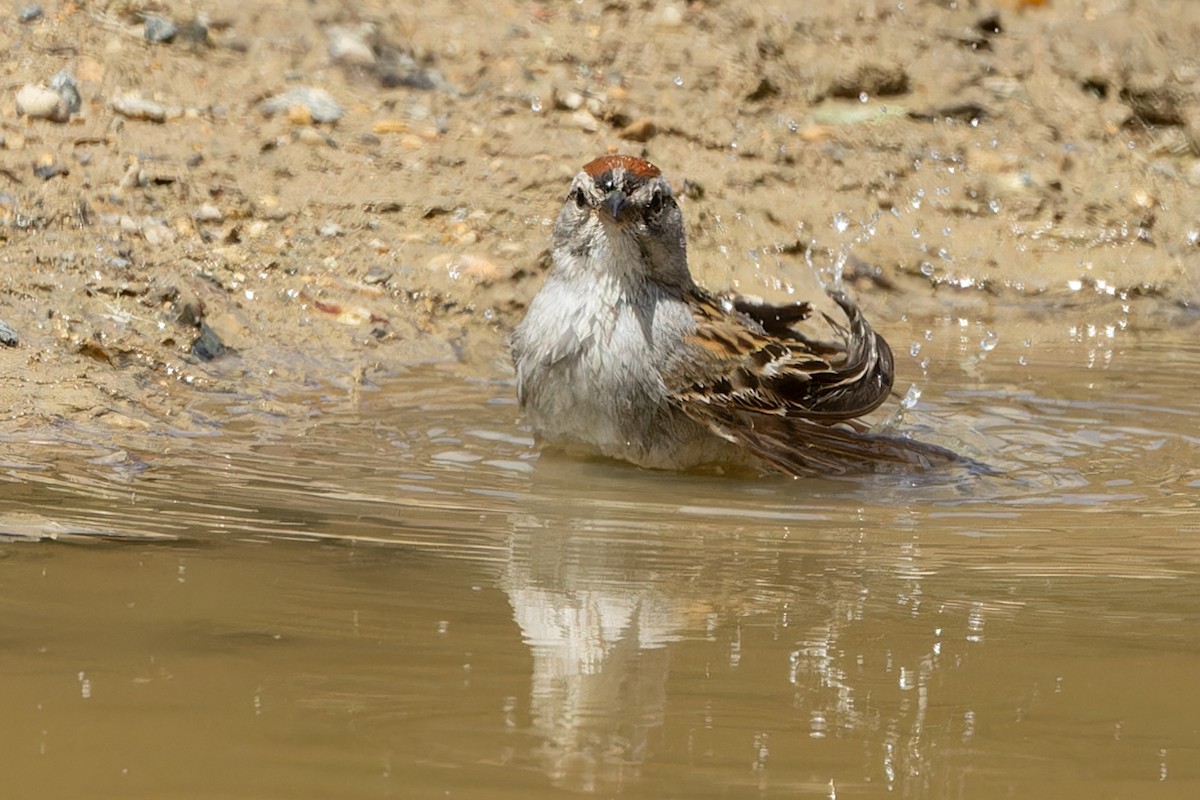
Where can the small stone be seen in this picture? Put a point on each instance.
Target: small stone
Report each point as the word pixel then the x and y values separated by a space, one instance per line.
pixel 46 167
pixel 640 130
pixel 317 103
pixel 68 90
pixel 207 345
pixel 376 275
pixel 310 136
pixel 187 308
pixel 156 233
pixel 299 115
pixel 134 107
pixel 569 100
pixel 31 13
pixel 330 228
pixel 389 126
pixel 38 102
pixel 460 266
pixel 585 121
pixel 160 30
pixel 671 15
pixel 208 213
pixel 349 45
pixel 8 336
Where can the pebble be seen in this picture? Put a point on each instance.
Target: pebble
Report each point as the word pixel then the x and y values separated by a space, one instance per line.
pixel 310 136
pixel 68 90
pixel 134 107
pixel 376 275
pixel 8 336
pixel 160 30
pixel 474 269
pixel 207 345
pixel 330 228
pixel 670 15
pixel 318 103
pixel 349 45
pixel 585 121
pixel 156 233
pixel 208 213
pixel 569 100
pixel 389 126
pixel 38 102
pixel 46 167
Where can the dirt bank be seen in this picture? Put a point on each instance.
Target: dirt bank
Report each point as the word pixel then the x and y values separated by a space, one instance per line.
pixel 192 232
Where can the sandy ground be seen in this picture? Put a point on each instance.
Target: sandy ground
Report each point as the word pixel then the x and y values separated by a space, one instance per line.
pixel 994 160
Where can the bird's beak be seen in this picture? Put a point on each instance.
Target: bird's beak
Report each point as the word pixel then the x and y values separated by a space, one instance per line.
pixel 615 203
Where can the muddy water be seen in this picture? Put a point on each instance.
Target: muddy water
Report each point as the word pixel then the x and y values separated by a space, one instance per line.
pixel 407 601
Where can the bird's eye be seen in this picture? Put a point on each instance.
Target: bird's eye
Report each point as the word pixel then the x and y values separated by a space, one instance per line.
pixel 579 197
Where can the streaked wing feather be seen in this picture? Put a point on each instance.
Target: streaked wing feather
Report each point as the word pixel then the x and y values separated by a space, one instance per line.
pixel 750 356
pixel 801 447
pixel 757 381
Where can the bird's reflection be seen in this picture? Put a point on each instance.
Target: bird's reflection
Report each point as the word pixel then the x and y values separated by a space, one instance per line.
pixel 598 625
pixel 832 624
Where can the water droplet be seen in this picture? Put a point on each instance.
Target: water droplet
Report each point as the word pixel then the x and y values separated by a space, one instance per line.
pixel 911 397
pixel 927 269
pixel 989 341
pixel 678 80
pixel 535 105
pixel 915 349
pixel 841 221
pixel 863 97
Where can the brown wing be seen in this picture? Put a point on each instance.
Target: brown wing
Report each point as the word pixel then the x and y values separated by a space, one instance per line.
pixel 748 355
pixel 769 388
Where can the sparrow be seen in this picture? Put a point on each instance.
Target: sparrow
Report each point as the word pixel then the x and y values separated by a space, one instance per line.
pixel 622 353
